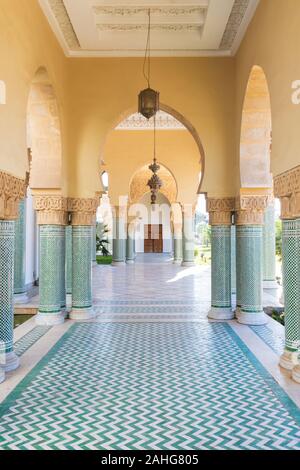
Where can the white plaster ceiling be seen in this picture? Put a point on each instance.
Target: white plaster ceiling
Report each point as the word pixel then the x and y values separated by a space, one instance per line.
pixel 112 28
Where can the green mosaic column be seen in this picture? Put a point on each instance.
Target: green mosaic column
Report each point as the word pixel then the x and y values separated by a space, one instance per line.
pixel 291 286
pixel 62 270
pixel 119 237
pixel 238 273
pixel 9 360
pixel 178 244
pixel 20 255
pixel 50 280
pixel 233 259
pixel 81 273
pixel 221 273
pixel 130 244
pixel 250 253
pixel 68 255
pixel 269 249
pixel 93 244
pixel 188 245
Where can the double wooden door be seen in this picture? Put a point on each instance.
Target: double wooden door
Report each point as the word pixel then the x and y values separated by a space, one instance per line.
pixel 153 239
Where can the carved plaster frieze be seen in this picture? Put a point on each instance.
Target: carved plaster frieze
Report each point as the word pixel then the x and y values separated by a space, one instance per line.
pixel 157 10
pixel 287 188
pixel 167 27
pixel 236 17
pixel 51 209
pixel 249 217
pixel 250 208
pixel 220 210
pixel 61 15
pixel 83 210
pixel 12 190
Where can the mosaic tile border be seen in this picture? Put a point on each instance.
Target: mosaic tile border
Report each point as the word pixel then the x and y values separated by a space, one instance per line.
pixel 270 338
pixel 30 338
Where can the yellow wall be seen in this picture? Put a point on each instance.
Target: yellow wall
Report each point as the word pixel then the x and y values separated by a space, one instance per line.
pixel 101 91
pixel 272 42
pixel 26 43
pixel 126 152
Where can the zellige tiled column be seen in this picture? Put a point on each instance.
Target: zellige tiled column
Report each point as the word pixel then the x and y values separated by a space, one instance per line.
pixel 68 268
pixel 188 242
pixel 119 235
pixel 269 249
pixel 51 218
pixel 249 221
pixel 94 243
pixel 286 187
pixel 130 240
pixel 177 243
pixel 83 212
pixel 233 259
pixel 12 190
pixel 220 219
pixel 20 294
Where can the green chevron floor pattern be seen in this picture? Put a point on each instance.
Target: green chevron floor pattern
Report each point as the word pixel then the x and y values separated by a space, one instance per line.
pixel 149 386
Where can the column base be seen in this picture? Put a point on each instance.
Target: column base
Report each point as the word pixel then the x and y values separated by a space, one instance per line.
pixel 118 263
pixel 129 261
pixel 21 298
pixel 94 263
pixel 68 302
pixel 2 375
pixel 257 318
pixel 270 285
pixel 50 319
pixel 216 313
pixel 289 359
pixel 296 374
pixel 79 314
pixel 188 264
pixel 12 361
pixel 177 261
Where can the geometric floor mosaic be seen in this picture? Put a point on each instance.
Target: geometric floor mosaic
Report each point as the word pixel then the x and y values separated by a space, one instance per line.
pixel 274 340
pixel 24 343
pixel 149 386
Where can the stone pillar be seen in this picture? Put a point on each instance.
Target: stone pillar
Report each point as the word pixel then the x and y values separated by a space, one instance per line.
pixel 188 245
pixel 130 240
pixel 220 215
pixel 233 259
pixel 68 277
pixel 83 215
pixel 286 187
pixel 269 248
pixel 249 221
pixel 93 244
pixel 51 218
pixel 119 235
pixel 177 243
pixel 20 255
pixel 12 190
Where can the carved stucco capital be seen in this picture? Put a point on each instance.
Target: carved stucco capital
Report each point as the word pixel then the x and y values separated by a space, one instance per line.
pixel 51 209
pixel 250 209
pixel 12 190
pixel 83 210
pixel 220 210
pixel 287 188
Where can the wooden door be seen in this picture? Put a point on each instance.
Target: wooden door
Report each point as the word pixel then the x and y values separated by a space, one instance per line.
pixel 153 241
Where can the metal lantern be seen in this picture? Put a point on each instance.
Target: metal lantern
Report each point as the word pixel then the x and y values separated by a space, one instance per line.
pixel 148 102
pixel 154 182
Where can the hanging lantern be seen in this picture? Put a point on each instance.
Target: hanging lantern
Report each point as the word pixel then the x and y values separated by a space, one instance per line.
pixel 148 102
pixel 154 182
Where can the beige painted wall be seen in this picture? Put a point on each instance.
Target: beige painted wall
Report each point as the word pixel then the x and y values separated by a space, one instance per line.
pixel 272 42
pixel 26 44
pixel 125 152
pixel 102 91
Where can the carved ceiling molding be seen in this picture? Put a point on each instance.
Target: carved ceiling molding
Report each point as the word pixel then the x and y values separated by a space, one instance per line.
pixel 12 190
pixel 61 15
pixel 135 10
pixel 163 121
pixel 287 188
pixel 236 17
pixel 165 27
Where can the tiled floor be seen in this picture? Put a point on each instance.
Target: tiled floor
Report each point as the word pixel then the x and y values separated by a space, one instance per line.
pixel 150 372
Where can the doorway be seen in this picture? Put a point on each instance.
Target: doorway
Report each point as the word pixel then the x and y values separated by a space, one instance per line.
pixel 153 239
